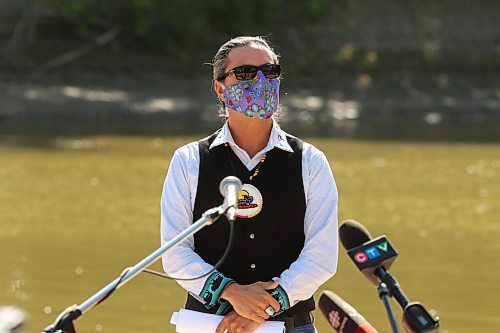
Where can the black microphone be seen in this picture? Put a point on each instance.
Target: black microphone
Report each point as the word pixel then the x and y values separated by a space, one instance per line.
pixel 341 315
pixel 373 257
pixel 230 187
pixel 353 233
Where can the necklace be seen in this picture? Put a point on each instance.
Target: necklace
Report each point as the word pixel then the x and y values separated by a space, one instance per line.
pixel 262 159
pixel 257 169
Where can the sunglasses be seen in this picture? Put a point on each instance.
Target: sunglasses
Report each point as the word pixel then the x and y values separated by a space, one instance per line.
pixel 248 72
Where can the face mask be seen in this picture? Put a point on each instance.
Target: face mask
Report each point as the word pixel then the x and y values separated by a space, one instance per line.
pixel 257 98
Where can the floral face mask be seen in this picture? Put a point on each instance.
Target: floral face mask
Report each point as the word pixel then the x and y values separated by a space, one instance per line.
pixel 257 98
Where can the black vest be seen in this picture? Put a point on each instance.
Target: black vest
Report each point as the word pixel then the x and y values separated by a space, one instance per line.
pixel 268 243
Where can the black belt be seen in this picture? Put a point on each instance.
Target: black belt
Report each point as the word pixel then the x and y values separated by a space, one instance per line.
pixel 297 320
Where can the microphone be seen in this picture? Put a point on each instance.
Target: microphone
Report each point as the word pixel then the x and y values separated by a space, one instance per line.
pixel 230 188
pixel 373 257
pixel 353 233
pixel 341 315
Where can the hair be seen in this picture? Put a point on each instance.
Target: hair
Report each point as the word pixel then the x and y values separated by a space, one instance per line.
pixel 221 60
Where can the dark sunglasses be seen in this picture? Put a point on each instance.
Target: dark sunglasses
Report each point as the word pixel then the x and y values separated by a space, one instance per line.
pixel 248 72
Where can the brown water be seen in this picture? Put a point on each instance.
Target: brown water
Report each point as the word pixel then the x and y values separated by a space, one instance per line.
pixel 74 213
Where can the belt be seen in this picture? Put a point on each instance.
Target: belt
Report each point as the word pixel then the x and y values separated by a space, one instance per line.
pixel 298 319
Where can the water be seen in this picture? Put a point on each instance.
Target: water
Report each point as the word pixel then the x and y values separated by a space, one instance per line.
pixel 76 211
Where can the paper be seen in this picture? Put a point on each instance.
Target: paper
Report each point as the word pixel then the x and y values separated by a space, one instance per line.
pixel 187 321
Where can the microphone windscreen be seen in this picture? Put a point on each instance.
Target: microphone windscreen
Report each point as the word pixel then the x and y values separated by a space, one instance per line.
pixel 352 234
pixel 341 315
pixel 229 180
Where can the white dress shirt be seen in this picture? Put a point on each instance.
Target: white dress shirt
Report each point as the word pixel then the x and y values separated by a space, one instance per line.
pixel 317 261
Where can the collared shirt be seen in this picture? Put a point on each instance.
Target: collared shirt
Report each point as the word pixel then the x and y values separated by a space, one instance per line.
pixel 318 259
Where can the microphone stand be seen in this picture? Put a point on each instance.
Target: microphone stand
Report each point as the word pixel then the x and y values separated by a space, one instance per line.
pixel 64 323
pixel 384 295
pixel 390 287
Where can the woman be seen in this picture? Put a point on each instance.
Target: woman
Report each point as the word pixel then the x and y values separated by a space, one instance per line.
pixel 286 232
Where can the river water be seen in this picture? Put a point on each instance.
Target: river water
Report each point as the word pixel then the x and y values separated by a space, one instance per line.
pixel 76 211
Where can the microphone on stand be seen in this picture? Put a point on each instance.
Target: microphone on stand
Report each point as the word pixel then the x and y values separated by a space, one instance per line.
pixel 230 187
pixel 341 315
pixel 373 257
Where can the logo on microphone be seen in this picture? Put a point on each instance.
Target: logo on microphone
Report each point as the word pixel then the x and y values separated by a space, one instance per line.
pixel 373 253
pixel 337 321
pixel 370 253
pixel 249 201
pixel 361 257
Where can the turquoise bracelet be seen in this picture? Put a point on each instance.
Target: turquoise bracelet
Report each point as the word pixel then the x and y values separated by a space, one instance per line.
pixel 280 295
pixel 213 288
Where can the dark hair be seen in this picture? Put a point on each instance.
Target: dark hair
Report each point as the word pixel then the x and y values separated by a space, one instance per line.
pixel 221 59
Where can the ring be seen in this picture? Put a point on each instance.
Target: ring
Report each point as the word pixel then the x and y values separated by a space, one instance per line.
pixel 269 310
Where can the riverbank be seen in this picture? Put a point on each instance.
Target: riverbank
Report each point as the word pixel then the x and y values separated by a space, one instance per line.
pixel 389 104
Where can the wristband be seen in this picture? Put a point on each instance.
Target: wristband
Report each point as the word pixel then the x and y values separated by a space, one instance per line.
pixel 280 295
pixel 224 307
pixel 213 288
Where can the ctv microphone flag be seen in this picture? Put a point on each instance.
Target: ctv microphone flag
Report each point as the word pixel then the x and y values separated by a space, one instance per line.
pixel 369 256
pixel 374 257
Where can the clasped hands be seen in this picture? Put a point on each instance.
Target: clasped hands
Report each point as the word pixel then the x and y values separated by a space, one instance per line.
pixel 249 303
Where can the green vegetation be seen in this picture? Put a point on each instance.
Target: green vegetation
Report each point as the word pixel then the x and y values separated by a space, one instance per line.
pixel 75 212
pixel 316 37
pixel 177 24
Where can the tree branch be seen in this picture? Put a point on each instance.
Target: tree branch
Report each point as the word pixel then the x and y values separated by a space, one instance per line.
pixel 76 53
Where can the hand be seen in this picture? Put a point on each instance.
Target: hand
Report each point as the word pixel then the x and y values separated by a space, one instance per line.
pixel 251 300
pixel 234 323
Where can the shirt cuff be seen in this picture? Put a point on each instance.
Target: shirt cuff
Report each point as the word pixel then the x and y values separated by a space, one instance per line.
pixel 213 288
pixel 281 296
